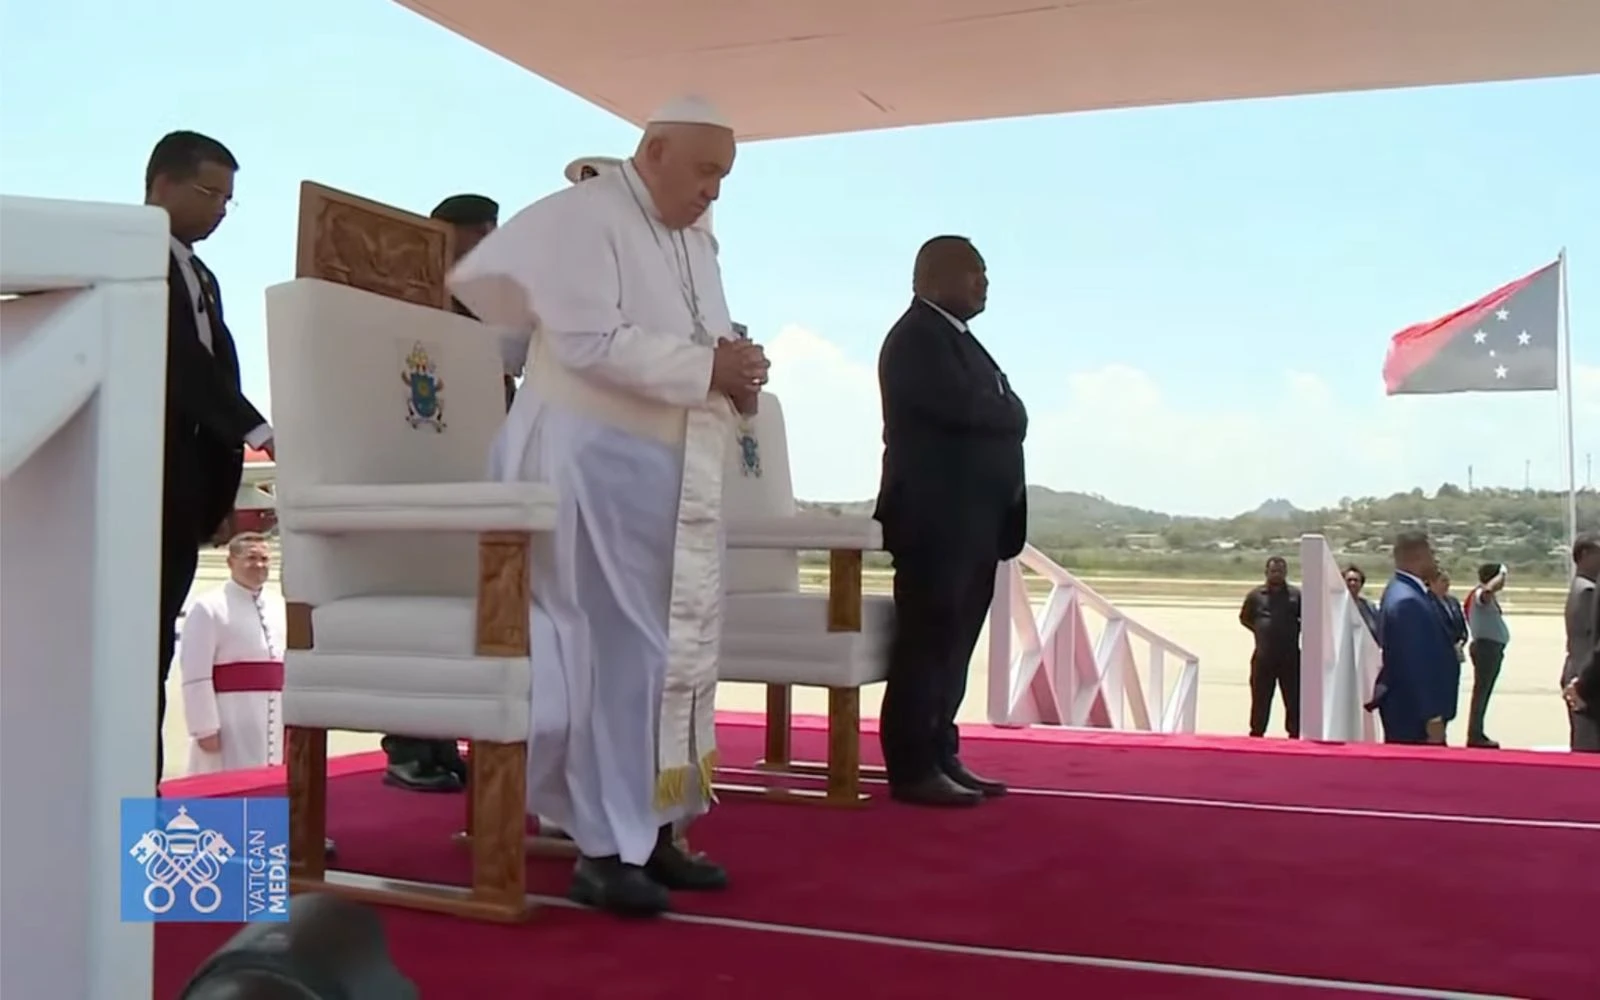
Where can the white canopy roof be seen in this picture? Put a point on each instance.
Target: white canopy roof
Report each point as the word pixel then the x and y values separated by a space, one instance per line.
pixel 801 67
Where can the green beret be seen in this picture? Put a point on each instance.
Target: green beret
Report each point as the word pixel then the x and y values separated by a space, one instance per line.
pixel 467 210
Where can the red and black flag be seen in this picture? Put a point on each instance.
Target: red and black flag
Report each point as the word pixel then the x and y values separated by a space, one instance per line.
pixel 1504 342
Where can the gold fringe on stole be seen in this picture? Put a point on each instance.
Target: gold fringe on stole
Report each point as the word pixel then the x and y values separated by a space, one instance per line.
pixel 708 769
pixel 672 785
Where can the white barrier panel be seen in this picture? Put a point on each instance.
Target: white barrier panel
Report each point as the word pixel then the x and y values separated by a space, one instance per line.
pixel 1339 657
pixel 82 385
pixel 1044 668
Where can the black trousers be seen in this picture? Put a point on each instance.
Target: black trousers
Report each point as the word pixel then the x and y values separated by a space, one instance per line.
pixel 1585 732
pixel 1487 657
pixel 939 604
pixel 180 557
pixel 1272 672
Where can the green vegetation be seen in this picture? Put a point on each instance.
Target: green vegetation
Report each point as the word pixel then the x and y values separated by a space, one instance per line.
pixel 1092 536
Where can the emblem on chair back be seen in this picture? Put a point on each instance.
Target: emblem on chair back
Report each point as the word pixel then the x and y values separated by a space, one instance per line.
pixel 371 246
pixel 424 389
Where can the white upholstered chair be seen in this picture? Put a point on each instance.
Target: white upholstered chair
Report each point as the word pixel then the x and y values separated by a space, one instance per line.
pixel 404 572
pixel 777 635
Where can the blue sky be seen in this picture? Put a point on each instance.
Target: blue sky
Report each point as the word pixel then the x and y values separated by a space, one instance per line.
pixel 1194 301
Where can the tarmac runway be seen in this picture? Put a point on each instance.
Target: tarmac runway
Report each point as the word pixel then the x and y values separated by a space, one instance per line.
pixel 1526 710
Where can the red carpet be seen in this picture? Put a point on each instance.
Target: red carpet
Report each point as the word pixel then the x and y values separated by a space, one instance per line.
pixel 1359 898
pixel 570 955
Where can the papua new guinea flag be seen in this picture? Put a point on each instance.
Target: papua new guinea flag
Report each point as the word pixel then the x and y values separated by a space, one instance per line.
pixel 1504 342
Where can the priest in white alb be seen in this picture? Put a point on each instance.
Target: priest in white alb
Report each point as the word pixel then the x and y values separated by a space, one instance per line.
pixel 633 377
pixel 230 661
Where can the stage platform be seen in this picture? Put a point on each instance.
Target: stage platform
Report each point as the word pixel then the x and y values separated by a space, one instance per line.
pixel 1121 866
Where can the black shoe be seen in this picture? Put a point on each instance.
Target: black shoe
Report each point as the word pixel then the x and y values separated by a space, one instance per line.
pixel 329 847
pixel 934 790
pixel 1483 743
pixel 625 890
pixel 415 777
pixel 988 788
pixel 447 757
pixel 676 869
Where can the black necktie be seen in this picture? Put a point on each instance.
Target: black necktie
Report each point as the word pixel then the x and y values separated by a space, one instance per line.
pixel 208 287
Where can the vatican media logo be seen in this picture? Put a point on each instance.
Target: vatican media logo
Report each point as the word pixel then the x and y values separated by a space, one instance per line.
pixel 205 860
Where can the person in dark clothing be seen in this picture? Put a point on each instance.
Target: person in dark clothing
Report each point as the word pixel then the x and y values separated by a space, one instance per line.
pixel 1271 613
pixel 1355 581
pixel 1454 616
pixel 1580 673
pixel 473 217
pixel 953 505
pixel 435 765
pixel 208 419
pixel 1489 636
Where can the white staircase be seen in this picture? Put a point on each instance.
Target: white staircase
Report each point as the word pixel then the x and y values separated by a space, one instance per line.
pixel 82 386
pixel 1046 666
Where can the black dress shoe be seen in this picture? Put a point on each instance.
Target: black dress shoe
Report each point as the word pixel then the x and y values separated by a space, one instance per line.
pixel 608 884
pixel 447 757
pixel 415 777
pixel 958 773
pixel 1483 743
pixel 671 866
pixel 934 790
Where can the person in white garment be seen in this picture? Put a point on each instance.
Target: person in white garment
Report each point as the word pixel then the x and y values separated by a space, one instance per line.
pixel 230 660
pixel 633 379
pixel 582 169
pixel 588 167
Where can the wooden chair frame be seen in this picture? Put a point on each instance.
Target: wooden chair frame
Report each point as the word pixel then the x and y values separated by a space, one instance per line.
pixel 498 788
pixel 842 771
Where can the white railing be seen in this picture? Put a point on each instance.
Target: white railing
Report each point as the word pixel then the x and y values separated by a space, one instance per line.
pixel 1339 657
pixel 1046 668
pixel 82 388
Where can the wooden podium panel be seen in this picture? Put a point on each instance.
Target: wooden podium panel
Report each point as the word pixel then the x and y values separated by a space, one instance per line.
pixel 354 241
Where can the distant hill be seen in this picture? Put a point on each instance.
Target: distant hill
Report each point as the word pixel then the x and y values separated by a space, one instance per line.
pixel 1277 510
pixel 1048 511
pixel 1524 529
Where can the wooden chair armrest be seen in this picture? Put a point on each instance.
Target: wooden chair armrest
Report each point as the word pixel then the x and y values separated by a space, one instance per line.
pixel 504 593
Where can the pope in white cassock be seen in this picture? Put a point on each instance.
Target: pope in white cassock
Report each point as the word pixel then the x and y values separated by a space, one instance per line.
pixel 230 660
pixel 633 377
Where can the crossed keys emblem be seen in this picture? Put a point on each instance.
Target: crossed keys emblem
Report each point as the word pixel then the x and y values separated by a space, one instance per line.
pixel 183 854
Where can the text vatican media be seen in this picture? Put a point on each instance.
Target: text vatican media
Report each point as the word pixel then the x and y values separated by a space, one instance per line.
pixel 266 879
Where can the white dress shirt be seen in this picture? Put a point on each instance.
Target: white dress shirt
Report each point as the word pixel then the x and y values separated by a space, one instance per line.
pixel 202 324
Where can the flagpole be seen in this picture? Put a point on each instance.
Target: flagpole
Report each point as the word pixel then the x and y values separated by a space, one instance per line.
pixel 1565 332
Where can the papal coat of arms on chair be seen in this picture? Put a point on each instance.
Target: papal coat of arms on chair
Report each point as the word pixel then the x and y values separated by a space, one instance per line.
pixel 424 390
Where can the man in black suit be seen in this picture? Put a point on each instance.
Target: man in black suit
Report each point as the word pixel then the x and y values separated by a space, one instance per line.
pixel 208 419
pixel 953 505
pixel 1455 618
pixel 424 765
pixel 1580 674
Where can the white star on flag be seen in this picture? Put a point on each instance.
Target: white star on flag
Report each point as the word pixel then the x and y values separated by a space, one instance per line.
pixel 1502 314
pixel 1500 371
pixel 1479 337
pixel 1523 339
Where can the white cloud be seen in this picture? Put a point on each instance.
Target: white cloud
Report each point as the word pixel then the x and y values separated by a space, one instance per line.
pixel 1116 432
pixel 831 415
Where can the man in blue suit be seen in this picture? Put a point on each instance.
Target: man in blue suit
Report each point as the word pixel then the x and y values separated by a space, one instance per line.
pixel 1416 690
